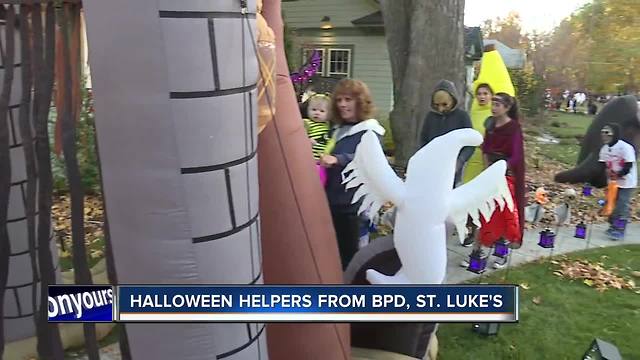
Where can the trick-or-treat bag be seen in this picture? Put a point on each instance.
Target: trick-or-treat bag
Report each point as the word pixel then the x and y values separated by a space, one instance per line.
pixel 612 194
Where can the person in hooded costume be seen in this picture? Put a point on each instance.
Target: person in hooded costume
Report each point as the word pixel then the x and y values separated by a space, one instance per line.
pixel 446 116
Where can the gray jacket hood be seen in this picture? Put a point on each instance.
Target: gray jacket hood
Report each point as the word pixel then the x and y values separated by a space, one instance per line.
pixel 449 87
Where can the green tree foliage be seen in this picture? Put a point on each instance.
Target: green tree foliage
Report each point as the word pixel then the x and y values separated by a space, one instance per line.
pixel 597 48
pixel 528 83
pixel 529 89
pixel 86 147
pixel 508 30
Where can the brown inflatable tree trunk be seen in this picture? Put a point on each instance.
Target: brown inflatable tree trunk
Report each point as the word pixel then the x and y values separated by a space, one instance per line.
pixel 298 241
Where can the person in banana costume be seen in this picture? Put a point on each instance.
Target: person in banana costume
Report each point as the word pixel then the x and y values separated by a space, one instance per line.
pixel 493 78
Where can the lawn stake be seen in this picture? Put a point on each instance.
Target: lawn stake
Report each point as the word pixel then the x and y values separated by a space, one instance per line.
pixel 589 231
pixel 506 274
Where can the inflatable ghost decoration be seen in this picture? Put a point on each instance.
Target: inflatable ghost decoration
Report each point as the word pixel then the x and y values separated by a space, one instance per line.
pixel 425 200
pixel 401 339
pixel 494 73
pixel 621 110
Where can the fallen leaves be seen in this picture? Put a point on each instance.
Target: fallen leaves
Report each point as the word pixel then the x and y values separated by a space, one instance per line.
pixel 93 218
pixel 593 275
pixel 537 300
pixel 583 208
pixel 93 223
pixel 635 274
pixel 525 286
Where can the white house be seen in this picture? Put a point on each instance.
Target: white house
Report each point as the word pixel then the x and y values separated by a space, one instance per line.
pixel 350 36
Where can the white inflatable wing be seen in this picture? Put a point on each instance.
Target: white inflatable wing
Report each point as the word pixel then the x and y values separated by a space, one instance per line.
pixel 370 169
pixel 479 197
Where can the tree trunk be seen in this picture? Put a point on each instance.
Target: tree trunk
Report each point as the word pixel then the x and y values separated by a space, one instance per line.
pixel 425 40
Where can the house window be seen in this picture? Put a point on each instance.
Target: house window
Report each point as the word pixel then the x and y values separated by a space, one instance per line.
pixel 339 62
pixel 306 54
pixel 336 60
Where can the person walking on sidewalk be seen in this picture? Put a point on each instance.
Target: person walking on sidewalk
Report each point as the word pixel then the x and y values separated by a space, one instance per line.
pixel 353 109
pixel 446 115
pixel 504 141
pixel 618 159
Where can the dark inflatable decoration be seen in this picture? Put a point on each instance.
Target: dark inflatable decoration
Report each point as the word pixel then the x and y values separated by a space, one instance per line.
pixel 621 110
pixel 411 339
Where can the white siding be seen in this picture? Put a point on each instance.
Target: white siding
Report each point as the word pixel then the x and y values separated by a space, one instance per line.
pixel 308 13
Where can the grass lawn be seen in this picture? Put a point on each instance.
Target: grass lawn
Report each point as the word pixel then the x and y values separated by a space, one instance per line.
pixel 569 315
pixel 564 153
pixel 566 127
pixel 95 252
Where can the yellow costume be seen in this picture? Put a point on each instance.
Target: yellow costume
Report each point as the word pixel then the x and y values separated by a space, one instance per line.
pixel 492 72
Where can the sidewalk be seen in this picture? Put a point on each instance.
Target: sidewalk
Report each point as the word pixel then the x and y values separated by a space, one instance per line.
pixel 565 243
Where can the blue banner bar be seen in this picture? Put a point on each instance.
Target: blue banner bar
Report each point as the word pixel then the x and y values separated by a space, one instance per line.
pixel 81 303
pixel 268 303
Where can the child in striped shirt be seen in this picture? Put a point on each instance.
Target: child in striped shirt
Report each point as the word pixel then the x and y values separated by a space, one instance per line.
pixel 317 125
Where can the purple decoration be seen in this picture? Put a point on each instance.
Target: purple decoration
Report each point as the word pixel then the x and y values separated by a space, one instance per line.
pixel 477 263
pixel 308 70
pixel 501 249
pixel 315 56
pixel 547 239
pixel 586 190
pixel 581 231
pixel 620 224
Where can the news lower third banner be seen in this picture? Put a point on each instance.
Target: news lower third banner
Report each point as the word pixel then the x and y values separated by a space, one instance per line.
pixel 81 303
pixel 269 303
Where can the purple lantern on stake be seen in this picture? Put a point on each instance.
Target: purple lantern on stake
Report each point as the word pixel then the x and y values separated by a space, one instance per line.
pixel 501 249
pixel 586 190
pixel 477 262
pixel 547 239
pixel 581 231
pixel 620 224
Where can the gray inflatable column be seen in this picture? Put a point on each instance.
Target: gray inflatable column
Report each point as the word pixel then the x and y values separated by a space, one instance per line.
pixel 175 99
pixel 18 307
